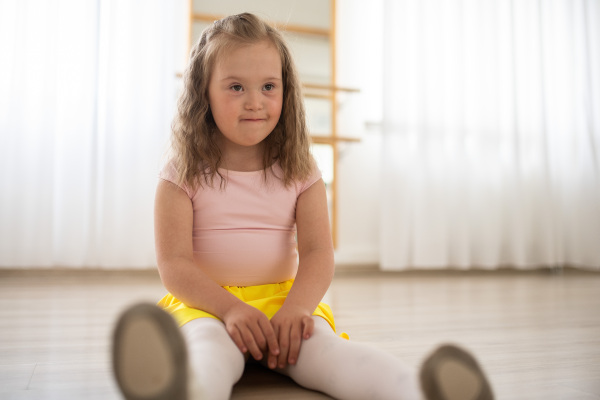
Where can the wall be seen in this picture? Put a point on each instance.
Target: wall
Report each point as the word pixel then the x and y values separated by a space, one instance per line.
pixel 359 65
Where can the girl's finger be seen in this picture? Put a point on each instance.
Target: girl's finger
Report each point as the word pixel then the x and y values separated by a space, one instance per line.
pixel 284 345
pixel 270 336
pixel 248 338
pixel 259 337
pixel 308 327
pixel 295 342
pixel 234 333
pixel 272 360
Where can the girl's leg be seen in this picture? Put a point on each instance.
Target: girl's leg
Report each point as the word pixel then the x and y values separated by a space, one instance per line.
pixel 348 370
pixel 152 360
pixel 149 355
pixel 215 361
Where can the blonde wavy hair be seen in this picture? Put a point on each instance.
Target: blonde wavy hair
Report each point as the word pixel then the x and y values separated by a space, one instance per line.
pixel 194 148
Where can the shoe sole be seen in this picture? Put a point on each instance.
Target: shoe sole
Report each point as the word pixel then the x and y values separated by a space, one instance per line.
pixel 149 355
pixel 451 373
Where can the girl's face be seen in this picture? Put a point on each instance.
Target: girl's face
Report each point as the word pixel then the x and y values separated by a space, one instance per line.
pixel 246 94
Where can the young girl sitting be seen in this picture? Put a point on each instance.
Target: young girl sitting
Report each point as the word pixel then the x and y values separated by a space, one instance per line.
pixel 244 248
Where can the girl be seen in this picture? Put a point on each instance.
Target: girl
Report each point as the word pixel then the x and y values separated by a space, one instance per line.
pixel 244 248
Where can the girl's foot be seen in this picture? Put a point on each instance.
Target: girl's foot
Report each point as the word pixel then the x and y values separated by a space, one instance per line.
pixel 149 355
pixel 451 373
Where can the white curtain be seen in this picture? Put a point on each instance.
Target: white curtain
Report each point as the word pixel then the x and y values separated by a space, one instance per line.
pixel 86 99
pixel 491 134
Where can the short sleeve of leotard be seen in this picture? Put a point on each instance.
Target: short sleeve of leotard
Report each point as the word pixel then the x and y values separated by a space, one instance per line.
pixel 311 180
pixel 169 173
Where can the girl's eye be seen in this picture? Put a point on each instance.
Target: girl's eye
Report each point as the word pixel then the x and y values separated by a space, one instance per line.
pixel 269 87
pixel 236 88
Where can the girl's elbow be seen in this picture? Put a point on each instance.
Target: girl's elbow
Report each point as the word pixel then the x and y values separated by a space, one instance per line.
pixel 329 262
pixel 169 275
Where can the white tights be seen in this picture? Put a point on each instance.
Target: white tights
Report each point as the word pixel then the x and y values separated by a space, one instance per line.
pixel 340 368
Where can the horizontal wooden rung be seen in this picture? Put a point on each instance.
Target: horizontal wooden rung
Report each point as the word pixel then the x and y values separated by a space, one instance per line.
pixel 333 139
pixel 289 28
pixel 332 88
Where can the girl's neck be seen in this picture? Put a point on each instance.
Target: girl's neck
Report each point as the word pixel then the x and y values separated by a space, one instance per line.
pixel 243 159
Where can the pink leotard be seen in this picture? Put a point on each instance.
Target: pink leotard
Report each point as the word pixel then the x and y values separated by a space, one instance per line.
pixel 245 233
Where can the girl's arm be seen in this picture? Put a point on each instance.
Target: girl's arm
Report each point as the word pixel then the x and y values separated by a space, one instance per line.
pixel 294 322
pixel 173 220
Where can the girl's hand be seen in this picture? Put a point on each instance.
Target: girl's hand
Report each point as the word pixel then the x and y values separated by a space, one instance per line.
pixel 291 324
pixel 251 331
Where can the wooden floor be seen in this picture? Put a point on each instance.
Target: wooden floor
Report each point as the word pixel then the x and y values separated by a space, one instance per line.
pixel 537 334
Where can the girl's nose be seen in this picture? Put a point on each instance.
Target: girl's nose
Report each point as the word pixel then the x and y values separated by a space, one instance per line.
pixel 253 101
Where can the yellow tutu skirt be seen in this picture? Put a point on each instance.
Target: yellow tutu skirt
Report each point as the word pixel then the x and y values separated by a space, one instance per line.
pixel 267 298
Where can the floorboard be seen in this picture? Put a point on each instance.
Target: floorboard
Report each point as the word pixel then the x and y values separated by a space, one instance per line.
pixel 537 334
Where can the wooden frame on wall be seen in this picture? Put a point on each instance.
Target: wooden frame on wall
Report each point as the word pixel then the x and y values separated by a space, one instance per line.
pixel 326 91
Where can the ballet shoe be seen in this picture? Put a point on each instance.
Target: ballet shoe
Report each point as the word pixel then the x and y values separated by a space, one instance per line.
pixel 451 373
pixel 149 355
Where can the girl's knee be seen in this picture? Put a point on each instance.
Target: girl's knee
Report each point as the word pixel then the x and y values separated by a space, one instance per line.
pixel 214 357
pixel 209 336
